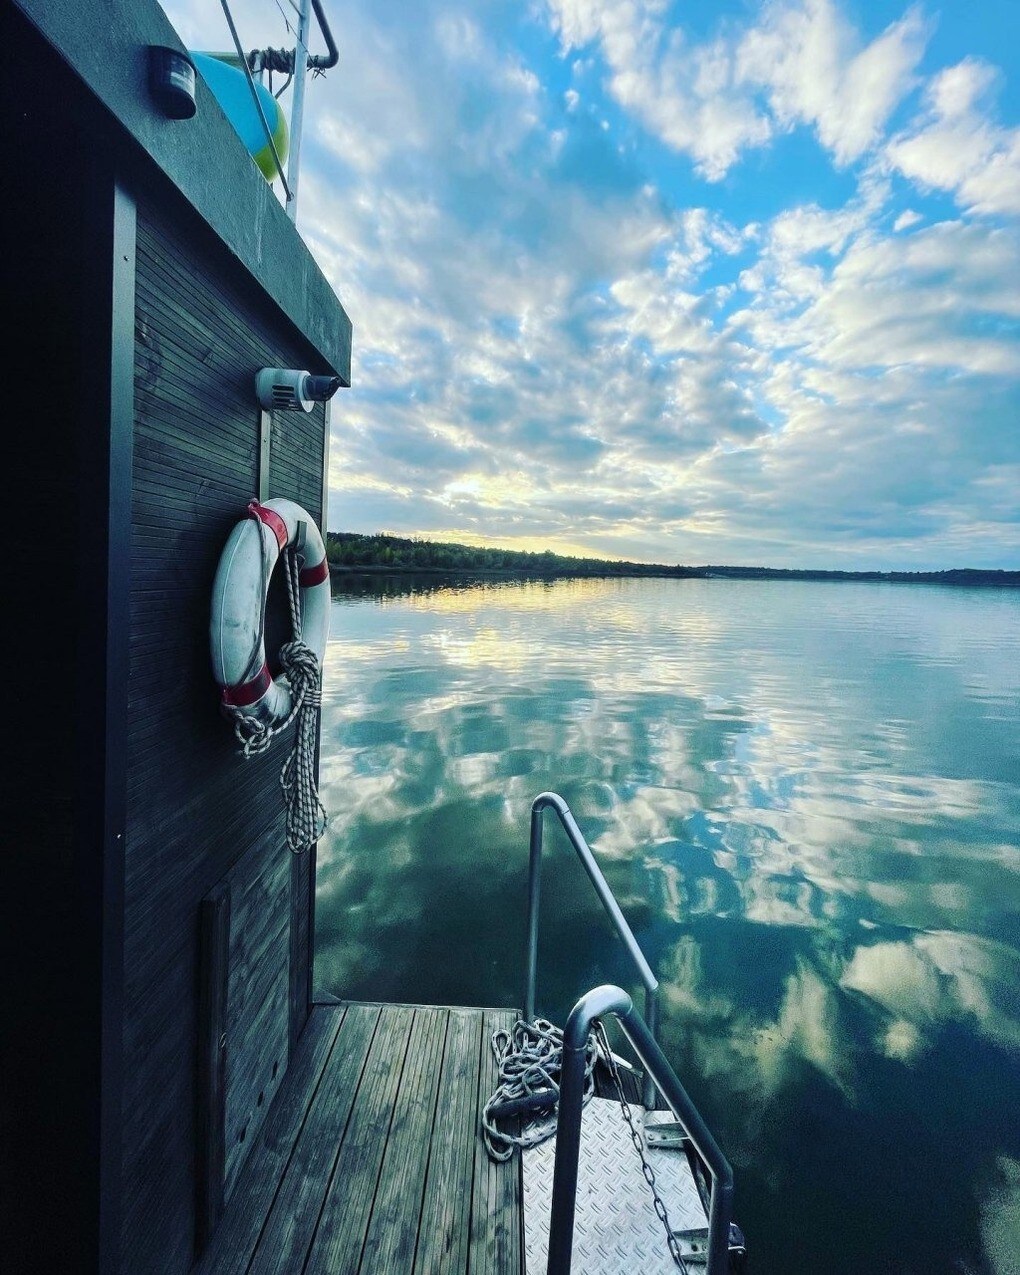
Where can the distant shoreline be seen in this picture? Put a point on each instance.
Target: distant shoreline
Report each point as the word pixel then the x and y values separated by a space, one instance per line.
pixel 962 577
pixel 353 553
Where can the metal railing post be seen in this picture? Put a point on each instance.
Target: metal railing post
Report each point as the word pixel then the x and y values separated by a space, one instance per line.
pixel 603 1000
pixel 534 895
pixel 553 801
pixel 677 1099
pixel 652 1019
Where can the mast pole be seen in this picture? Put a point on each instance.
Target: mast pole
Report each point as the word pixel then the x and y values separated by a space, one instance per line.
pixel 298 106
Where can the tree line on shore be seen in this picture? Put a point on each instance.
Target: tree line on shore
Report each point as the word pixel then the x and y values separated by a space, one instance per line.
pixel 394 553
pixel 351 551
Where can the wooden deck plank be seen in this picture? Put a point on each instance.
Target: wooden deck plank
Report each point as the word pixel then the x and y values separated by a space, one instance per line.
pixel 291 1225
pixel 396 1213
pixel 340 1237
pixel 231 1248
pixel 446 1209
pixel 370 1159
pixel 496 1217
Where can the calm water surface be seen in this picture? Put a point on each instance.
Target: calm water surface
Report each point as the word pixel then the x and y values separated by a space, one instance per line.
pixel 806 797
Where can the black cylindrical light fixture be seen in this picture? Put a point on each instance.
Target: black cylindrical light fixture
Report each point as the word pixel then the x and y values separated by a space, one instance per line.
pixel 172 82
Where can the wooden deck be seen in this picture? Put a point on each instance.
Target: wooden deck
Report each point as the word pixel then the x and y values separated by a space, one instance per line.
pixel 370 1158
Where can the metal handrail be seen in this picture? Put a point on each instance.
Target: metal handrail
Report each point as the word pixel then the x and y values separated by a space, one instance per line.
pixel 596 1004
pixel 552 801
pixel 318 62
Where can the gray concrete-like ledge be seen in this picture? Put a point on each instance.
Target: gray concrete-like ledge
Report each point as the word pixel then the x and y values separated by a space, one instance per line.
pixel 106 44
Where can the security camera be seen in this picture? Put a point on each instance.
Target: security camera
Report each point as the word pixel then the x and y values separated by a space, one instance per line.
pixel 288 390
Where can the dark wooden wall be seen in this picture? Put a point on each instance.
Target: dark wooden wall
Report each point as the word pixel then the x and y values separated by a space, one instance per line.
pixel 198 815
pixel 64 474
pixel 130 442
pixel 49 939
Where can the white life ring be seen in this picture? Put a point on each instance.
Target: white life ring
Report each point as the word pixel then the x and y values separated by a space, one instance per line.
pixel 237 626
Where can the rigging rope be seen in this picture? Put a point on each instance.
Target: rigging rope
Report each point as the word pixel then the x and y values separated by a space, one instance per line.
pixel 255 97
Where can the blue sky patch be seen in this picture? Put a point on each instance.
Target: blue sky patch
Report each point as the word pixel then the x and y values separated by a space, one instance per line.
pixel 690 282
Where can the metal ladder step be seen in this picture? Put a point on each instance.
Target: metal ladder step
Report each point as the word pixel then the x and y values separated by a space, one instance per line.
pixel 616 1230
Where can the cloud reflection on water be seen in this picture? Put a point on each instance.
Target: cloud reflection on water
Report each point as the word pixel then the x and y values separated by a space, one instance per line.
pixel 807 816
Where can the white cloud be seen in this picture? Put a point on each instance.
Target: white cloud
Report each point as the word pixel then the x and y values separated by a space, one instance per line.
pixel 956 146
pixel 668 319
pixel 686 95
pixel 934 977
pixel 906 219
pixel 918 301
pixel 809 61
pixel 805 58
pixel 1000 1218
pixel 829 285
pixel 459 37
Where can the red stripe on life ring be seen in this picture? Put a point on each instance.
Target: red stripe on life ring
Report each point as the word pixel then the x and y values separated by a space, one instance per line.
pixel 272 520
pixel 311 576
pixel 248 692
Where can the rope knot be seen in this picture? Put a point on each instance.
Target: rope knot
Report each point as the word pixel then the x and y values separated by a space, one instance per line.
pixel 306 816
pixel 301 669
pixel 253 736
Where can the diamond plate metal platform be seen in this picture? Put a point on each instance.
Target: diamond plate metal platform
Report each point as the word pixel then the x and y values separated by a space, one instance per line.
pixel 616 1231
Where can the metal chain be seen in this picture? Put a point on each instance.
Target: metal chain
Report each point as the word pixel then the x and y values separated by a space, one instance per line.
pixel 529 1059
pixel 599 1031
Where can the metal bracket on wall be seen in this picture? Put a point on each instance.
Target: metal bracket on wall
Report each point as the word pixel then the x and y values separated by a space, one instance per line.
pixel 326 426
pixel 265 437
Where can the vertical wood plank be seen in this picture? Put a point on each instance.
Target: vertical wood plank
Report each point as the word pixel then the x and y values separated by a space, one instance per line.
pixel 115 758
pixel 327 426
pixel 396 1214
pixel 258 1038
pixel 231 1249
pixel 291 1225
pixel 446 1209
pixel 214 968
pixel 302 904
pixel 496 1195
pixel 265 438
pixel 340 1237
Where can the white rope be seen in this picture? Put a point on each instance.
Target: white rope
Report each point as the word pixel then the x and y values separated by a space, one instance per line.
pixel 306 815
pixel 529 1059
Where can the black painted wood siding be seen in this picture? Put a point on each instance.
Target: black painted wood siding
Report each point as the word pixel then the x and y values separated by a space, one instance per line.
pixel 195 808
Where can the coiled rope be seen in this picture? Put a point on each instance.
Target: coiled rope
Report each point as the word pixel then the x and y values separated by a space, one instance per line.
pixel 529 1059
pixel 306 815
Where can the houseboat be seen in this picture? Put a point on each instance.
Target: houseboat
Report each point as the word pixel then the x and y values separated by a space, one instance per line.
pixel 173 1099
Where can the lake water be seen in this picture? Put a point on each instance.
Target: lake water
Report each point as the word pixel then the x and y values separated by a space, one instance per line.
pixel 806 797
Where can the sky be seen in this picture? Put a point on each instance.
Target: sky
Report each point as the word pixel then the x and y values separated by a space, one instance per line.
pixel 700 282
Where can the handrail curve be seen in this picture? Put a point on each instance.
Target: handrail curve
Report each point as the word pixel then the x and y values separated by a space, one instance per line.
pixel 553 801
pixel 595 1004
